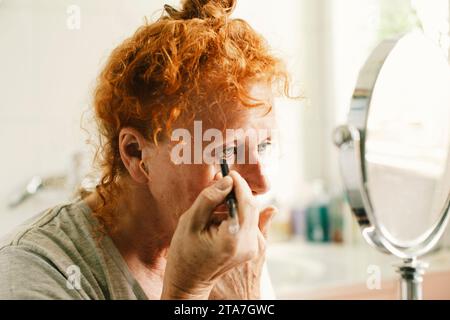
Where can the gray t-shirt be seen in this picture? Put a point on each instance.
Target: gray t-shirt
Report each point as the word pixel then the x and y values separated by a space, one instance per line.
pixel 60 256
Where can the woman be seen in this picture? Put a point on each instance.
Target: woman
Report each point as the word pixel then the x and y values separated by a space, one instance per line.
pixel 157 227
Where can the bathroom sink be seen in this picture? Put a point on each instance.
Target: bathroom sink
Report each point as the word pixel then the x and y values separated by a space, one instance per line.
pixel 297 268
pixel 290 267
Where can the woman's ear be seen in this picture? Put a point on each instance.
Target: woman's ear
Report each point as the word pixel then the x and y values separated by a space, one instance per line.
pixel 131 144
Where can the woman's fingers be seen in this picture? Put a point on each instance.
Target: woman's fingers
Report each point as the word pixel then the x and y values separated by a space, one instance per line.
pixel 247 209
pixel 208 200
pixel 216 251
pixel 215 195
pixel 265 217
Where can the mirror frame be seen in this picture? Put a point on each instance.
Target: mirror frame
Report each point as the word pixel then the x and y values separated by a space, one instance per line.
pixel 351 141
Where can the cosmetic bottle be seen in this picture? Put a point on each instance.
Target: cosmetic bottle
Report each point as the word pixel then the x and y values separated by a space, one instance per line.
pixel 317 214
pixel 336 218
pixel 298 221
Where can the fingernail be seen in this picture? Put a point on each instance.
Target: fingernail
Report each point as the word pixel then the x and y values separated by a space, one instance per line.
pixel 224 183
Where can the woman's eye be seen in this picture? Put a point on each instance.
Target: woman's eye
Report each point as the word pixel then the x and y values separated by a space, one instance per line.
pixel 263 147
pixel 228 152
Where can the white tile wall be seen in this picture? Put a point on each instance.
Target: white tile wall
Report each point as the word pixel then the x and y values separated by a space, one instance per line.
pixel 47 73
pixel 46 76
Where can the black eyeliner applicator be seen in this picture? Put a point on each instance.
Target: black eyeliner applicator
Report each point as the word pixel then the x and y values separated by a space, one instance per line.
pixel 230 199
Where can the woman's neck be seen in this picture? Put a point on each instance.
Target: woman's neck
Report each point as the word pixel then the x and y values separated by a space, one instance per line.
pixel 141 236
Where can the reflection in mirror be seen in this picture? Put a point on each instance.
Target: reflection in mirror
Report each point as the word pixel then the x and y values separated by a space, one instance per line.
pixel 408 141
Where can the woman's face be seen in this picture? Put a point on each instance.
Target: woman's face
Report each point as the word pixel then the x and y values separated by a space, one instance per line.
pixel 174 187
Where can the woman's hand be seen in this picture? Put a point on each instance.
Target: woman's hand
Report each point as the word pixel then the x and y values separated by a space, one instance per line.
pixel 243 281
pixel 201 252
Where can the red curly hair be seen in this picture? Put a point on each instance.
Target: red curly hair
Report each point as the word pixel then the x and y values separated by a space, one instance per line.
pixel 168 70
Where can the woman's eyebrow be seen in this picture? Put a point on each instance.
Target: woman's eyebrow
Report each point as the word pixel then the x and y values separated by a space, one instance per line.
pixel 242 141
pixel 230 142
pixel 233 143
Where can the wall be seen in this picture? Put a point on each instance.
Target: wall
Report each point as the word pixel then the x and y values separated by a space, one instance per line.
pixel 47 74
pixel 48 71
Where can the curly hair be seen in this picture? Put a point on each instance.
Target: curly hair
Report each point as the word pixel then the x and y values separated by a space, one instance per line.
pixel 183 63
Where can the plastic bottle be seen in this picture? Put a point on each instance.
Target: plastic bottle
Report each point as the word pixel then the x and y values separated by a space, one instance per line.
pixel 318 215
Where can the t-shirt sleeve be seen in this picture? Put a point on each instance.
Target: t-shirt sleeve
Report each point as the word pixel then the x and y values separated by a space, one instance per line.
pixel 27 275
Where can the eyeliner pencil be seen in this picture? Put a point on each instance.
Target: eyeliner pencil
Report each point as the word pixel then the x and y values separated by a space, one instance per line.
pixel 231 197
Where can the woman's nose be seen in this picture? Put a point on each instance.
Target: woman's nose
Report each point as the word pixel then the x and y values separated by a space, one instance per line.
pixel 255 177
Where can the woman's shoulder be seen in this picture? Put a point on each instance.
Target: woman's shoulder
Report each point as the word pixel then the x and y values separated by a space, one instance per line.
pixel 42 251
pixel 61 221
pixel 62 235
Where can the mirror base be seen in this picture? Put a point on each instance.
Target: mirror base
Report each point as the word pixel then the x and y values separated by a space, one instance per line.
pixel 411 278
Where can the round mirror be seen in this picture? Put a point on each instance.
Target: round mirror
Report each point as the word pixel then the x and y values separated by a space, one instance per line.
pixel 407 141
pixel 395 148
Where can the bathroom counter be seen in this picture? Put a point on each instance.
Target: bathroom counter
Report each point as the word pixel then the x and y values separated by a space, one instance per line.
pixel 302 270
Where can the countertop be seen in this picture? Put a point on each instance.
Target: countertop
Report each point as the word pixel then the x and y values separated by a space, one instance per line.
pixel 306 270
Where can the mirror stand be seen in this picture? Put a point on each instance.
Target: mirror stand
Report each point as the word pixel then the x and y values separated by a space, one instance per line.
pixel 411 278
